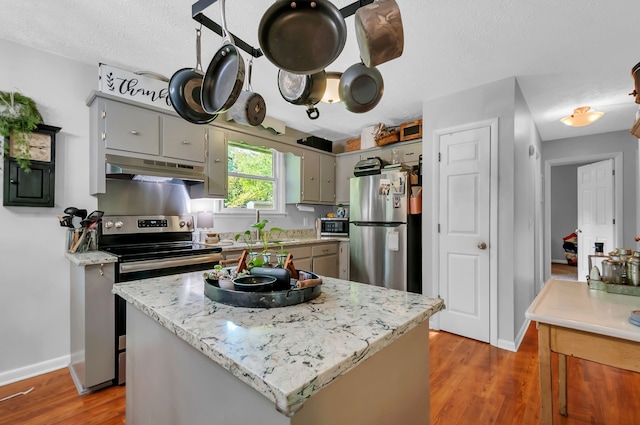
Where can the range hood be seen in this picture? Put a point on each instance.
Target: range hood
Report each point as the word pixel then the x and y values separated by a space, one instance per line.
pixel 122 167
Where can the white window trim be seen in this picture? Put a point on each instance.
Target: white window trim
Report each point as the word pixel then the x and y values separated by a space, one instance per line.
pixel 279 194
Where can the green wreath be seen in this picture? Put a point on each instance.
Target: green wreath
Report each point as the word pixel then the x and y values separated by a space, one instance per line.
pixel 19 116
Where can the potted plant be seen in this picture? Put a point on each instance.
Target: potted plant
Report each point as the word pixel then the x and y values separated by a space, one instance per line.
pixel 19 116
pixel 247 238
pixel 282 256
pixel 264 235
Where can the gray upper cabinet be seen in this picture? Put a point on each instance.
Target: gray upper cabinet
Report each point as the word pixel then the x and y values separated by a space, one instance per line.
pixel 128 128
pixel 344 171
pixel 183 140
pixel 310 178
pixel 216 183
pixel 327 178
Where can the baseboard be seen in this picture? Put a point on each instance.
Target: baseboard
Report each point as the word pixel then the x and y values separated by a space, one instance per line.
pixel 521 334
pixel 30 371
pixel 563 261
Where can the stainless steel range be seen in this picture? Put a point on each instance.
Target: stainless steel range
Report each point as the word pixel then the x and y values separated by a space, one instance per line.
pixel 150 246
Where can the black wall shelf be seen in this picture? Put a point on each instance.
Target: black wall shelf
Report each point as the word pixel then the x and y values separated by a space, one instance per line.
pixel 197 14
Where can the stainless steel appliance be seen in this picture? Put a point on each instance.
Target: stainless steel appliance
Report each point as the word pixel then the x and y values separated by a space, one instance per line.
pixel 334 227
pixel 369 166
pixel 149 246
pixel 384 239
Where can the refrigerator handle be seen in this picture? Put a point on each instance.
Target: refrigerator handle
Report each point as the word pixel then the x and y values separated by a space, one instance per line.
pixel 376 224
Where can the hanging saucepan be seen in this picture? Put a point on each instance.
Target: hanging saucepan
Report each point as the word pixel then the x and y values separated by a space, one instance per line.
pixel 635 73
pixel 223 81
pixel 303 89
pixel 250 108
pixel 379 32
pixel 302 36
pixel 185 91
pixel 361 88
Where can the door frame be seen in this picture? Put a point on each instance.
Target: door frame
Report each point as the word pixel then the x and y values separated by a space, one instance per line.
pixel 617 214
pixel 493 220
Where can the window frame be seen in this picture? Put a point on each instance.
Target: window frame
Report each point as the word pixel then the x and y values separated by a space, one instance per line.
pixel 278 169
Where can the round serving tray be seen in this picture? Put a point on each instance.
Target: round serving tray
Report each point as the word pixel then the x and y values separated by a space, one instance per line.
pixel 272 299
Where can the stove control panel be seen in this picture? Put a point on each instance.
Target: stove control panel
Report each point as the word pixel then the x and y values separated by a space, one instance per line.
pixel 127 224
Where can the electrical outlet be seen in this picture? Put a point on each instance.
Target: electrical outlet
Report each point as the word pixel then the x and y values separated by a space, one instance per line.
pixel 305 221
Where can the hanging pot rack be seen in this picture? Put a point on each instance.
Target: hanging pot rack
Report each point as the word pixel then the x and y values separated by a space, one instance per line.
pixel 197 14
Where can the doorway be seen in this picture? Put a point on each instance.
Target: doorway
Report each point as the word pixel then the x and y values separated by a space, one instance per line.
pixel 549 218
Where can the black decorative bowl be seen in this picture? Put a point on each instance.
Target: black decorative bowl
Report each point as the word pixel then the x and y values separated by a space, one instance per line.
pixel 254 283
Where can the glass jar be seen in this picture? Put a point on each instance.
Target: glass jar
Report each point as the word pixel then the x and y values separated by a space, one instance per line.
pixel 607 271
pixel 633 271
pixel 615 272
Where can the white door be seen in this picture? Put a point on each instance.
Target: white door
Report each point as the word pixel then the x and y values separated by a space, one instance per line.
pixel 465 159
pixel 595 211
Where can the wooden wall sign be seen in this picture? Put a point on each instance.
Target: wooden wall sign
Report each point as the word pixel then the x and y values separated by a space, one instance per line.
pixel 134 86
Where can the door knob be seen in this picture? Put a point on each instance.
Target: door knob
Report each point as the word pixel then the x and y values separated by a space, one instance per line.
pixel 482 245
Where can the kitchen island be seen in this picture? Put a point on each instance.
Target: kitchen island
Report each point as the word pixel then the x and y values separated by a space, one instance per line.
pixel 357 354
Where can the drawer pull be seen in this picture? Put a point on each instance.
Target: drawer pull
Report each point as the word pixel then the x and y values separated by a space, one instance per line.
pixel 185 142
pixel 134 132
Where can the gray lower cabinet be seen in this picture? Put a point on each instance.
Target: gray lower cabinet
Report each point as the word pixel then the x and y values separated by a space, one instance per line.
pixel 320 258
pixel 92 335
pixel 325 259
pixel 343 260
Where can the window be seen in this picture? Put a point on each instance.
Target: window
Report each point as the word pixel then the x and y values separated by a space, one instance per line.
pixel 252 179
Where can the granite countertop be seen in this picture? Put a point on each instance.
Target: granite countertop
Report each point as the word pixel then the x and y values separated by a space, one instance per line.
pixel 92 257
pixel 288 354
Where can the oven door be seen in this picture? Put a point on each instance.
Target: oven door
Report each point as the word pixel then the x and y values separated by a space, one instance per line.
pixel 144 269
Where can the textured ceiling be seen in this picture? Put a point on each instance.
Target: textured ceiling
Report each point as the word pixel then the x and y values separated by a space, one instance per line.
pixel 564 54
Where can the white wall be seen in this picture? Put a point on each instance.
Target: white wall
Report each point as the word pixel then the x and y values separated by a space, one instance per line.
pixel 494 100
pixel 528 167
pixel 34 288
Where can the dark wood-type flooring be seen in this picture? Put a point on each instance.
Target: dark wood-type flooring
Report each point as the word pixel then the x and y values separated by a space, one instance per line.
pixel 471 383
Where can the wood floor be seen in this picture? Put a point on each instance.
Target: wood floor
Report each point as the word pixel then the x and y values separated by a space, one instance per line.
pixel 472 383
pixel 564 271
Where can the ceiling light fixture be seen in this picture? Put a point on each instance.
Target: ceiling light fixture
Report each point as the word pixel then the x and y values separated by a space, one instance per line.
pixel 332 92
pixel 582 116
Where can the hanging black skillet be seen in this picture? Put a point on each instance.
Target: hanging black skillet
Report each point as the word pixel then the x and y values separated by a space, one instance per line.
pixel 361 88
pixel 302 36
pixel 185 91
pixel 223 81
pixel 303 89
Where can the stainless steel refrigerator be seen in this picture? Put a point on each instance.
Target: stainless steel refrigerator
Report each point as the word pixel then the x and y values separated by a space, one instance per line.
pixel 384 239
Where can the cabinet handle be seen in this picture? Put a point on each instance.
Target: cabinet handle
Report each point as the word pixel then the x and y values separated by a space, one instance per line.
pixel 185 142
pixel 12 181
pixel 312 178
pixel 217 160
pixel 409 153
pixel 101 270
pixel 134 132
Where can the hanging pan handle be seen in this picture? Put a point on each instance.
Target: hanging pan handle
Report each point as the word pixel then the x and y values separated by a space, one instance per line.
pixel 228 39
pixel 198 51
pixel 312 112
